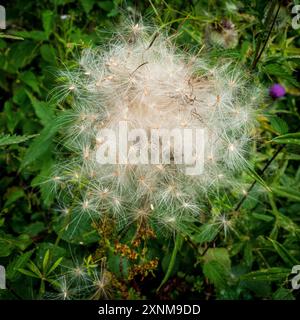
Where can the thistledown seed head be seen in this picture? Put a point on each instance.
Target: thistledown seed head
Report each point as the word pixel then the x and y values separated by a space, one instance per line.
pixel 151 129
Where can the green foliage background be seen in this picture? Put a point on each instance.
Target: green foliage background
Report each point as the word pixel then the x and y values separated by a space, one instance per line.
pixel 253 262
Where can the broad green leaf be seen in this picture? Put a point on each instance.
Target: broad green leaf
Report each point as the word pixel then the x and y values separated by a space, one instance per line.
pixel 87 5
pixel 218 254
pixel 279 125
pixel 216 274
pixel 48 21
pixel 76 228
pixel 21 54
pixel 217 266
pixel 12 195
pixel 33 229
pixel 42 143
pixel 31 80
pixel 42 109
pixel 48 53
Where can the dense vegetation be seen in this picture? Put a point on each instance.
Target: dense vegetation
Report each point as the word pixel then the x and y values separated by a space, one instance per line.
pixel 245 242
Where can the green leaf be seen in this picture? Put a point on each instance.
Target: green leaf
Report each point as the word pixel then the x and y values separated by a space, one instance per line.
pixel 218 254
pixel 207 233
pixel 48 21
pixel 31 265
pixel 217 266
pixel 76 228
pixel 8 243
pixel 117 264
pixel 216 274
pixel 177 246
pixel 287 192
pixel 106 5
pixel 46 261
pixel 48 53
pixel 290 138
pixel 271 274
pixel 12 118
pixel 41 144
pixel 35 228
pixel 42 109
pixel 55 265
pixel 34 35
pixel 87 5
pixel 279 125
pixel 28 273
pixel 12 195
pixel 21 54
pixel 283 294
pixel 10 36
pixel 19 262
pixel 8 139
pixel 31 80
pixel 262 217
pixel 283 253
pixel 252 173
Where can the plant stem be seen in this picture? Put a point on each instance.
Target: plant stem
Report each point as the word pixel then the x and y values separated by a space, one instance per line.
pixel 267 39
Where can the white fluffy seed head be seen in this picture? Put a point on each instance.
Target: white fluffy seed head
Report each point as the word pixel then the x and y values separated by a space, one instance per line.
pixel 142 78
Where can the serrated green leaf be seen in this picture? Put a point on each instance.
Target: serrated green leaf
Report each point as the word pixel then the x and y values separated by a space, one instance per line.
pixel 217 266
pixel 7 139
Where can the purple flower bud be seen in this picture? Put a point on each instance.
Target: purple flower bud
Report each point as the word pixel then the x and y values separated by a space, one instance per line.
pixel 276 91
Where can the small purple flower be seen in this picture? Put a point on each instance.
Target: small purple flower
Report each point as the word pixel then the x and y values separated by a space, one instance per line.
pixel 276 91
